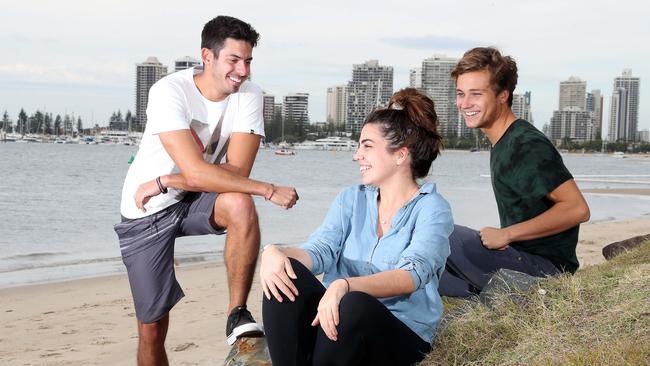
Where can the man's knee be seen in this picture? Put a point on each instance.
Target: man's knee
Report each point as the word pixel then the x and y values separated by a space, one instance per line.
pixel 152 334
pixel 235 208
pixel 464 241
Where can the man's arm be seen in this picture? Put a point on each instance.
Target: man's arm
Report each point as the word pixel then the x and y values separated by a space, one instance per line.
pixel 242 150
pixel 205 177
pixel 569 209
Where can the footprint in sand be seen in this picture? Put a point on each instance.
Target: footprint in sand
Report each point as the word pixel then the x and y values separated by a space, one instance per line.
pixel 50 354
pixel 101 341
pixel 185 347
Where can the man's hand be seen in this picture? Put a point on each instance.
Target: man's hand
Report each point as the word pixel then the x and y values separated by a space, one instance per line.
pixel 145 192
pixel 276 274
pixel 328 308
pixel 285 197
pixel 494 238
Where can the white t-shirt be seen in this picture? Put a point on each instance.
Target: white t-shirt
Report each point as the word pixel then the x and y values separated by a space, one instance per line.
pixel 175 103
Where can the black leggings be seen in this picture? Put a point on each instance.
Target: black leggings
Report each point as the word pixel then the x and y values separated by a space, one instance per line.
pixel 368 333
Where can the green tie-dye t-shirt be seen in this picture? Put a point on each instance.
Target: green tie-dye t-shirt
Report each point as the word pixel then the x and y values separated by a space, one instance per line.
pixel 525 168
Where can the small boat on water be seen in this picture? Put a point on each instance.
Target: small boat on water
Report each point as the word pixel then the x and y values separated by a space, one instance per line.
pixel 285 152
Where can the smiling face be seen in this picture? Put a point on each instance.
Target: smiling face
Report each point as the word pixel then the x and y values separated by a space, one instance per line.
pixel 477 102
pixel 230 69
pixel 376 163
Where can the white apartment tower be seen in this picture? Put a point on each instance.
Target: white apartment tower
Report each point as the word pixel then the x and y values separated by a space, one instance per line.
pixel 438 84
pixel 295 107
pixel 147 73
pixel 521 106
pixel 573 93
pixel 415 78
pixel 371 87
pixel 572 123
pixel 185 63
pixel 624 111
pixel 337 104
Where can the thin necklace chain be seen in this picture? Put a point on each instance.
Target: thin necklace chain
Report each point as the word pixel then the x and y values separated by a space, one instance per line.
pixel 383 222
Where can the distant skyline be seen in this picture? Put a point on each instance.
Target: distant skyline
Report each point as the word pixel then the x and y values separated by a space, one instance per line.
pixel 80 56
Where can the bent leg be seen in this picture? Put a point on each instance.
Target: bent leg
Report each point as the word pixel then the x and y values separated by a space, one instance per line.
pixel 470 265
pixel 369 334
pixel 287 324
pixel 236 213
pixel 151 345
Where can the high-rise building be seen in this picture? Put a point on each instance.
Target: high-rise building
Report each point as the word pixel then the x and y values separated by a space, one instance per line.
pixel 521 106
pixel 573 93
pixel 624 111
pixel 269 107
pixel 438 84
pixel 594 104
pixel 337 104
pixel 371 87
pixel 147 73
pixel 415 78
pixel 185 63
pixel 295 107
pixel 643 136
pixel 572 123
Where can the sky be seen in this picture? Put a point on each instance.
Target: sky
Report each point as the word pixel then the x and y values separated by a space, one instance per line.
pixel 71 56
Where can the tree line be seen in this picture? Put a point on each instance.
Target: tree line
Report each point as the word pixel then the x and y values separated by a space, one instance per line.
pixel 41 123
pixel 280 129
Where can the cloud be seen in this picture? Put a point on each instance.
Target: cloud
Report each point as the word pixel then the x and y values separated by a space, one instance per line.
pixel 432 42
pixel 100 74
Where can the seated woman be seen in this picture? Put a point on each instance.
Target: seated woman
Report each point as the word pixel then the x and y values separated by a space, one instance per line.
pixel 382 249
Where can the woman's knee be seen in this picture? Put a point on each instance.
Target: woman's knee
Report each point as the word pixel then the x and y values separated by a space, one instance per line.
pixel 306 284
pixel 355 309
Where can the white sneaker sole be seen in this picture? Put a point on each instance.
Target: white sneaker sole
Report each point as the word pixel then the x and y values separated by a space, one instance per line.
pixel 244 330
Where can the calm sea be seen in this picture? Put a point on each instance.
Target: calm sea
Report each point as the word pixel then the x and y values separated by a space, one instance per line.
pixel 59 202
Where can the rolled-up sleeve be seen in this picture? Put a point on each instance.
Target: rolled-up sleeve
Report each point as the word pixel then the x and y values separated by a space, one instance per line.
pixel 427 252
pixel 325 244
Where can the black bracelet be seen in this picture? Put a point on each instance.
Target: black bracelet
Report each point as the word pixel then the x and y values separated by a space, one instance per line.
pixel 162 188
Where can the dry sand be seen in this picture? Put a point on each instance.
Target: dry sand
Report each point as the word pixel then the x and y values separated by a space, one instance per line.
pixel 91 321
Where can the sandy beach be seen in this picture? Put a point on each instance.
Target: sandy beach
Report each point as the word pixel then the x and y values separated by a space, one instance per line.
pixel 92 322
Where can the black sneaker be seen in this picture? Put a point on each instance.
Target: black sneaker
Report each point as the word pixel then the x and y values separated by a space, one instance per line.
pixel 241 324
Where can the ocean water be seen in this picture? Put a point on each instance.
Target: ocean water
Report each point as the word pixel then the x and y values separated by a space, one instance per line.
pixel 58 203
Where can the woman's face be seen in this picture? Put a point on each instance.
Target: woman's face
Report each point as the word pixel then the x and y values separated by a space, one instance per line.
pixel 376 162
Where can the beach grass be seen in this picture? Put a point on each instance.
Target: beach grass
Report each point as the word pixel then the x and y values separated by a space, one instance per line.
pixel 599 316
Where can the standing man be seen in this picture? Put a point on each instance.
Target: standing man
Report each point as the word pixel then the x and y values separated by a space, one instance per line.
pixel 539 204
pixel 178 185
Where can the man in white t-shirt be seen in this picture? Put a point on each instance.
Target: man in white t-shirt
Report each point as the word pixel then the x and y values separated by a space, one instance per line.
pixel 178 185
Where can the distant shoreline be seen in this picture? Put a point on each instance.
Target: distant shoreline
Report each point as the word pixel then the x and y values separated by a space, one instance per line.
pixel 623 191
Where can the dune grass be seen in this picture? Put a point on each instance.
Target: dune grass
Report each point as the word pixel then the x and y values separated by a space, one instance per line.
pixel 599 316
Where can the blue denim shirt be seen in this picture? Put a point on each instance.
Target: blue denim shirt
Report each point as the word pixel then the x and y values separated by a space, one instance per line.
pixel 346 245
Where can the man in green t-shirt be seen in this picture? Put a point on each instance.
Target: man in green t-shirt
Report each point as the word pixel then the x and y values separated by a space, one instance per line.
pixel 539 204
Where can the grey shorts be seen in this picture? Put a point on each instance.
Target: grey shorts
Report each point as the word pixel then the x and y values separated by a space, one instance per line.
pixel 147 246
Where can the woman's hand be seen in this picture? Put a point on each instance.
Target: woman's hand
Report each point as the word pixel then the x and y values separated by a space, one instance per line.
pixel 145 192
pixel 328 308
pixel 276 274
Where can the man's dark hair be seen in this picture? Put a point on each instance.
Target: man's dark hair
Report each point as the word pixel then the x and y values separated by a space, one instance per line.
pixel 503 69
pixel 216 31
